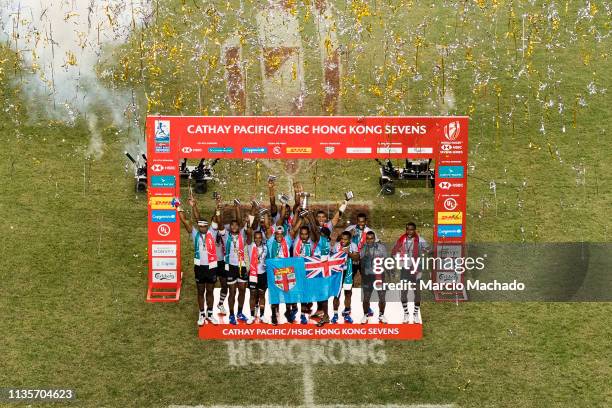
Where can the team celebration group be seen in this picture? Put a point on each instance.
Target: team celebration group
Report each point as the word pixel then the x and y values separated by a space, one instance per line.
pixel 236 253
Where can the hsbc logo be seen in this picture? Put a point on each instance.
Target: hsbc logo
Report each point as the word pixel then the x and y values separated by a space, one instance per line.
pixel 163 230
pixel 160 167
pixel 186 149
pixel 447 185
pixel 446 147
pixel 452 130
pixel 450 204
pixel 330 149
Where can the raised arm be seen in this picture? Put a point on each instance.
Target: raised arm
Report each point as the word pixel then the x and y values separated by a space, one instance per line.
pixel 315 231
pixel 184 221
pixel 336 216
pixel 297 190
pixel 194 209
pixel 281 219
pixel 295 228
pixel 238 213
pixel 272 195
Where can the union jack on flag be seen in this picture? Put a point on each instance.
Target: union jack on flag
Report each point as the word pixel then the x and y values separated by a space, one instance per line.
pixel 325 267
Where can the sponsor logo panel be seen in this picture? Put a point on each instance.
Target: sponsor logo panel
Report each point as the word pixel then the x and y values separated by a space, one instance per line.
pixel 299 150
pixel 223 150
pixel 452 130
pixel 163 216
pixel 254 150
pixel 447 277
pixel 161 203
pixel 450 251
pixel 359 150
pixel 163 250
pixel 164 263
pixel 163 181
pixel 450 231
pixel 389 150
pixel 420 150
pixel 450 172
pixel 164 230
pixel 450 217
pixel 164 276
pixel 447 185
pixel 158 167
pixel 450 204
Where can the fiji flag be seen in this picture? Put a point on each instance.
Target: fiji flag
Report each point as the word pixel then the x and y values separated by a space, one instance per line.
pixel 304 280
pixel 324 276
pixel 286 280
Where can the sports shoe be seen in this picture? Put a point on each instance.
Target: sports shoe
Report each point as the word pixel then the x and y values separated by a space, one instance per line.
pixel 382 319
pixel 201 319
pixel 232 320
pixel 364 319
pixel 264 320
pixel 348 319
pixel 408 318
pixel 213 320
pixel 303 319
pixel 250 320
pixel 324 320
pixel 334 319
pixel 221 309
pixel 346 312
pixel 291 316
pixel 417 315
pixel 242 317
pixel 370 312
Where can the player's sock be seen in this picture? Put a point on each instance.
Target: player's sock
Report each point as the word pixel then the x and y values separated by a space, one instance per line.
pixel 261 311
pixel 209 313
pixel 405 305
pixel 201 311
pixel 222 298
pixel 253 312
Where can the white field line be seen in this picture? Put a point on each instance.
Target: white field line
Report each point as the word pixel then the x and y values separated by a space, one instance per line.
pixel 308 385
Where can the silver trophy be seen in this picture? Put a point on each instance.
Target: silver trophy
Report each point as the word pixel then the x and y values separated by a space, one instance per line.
pixel 283 198
pixel 256 203
pixel 305 198
pixel 348 196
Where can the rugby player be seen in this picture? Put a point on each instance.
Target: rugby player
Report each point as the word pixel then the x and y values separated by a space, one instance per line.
pixel 372 250
pixel 350 248
pixel 411 245
pixel 204 261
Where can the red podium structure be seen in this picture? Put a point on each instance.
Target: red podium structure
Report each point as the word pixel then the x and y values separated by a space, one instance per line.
pixel 172 138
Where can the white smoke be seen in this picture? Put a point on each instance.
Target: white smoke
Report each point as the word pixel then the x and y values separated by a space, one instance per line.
pixel 96 145
pixel 60 43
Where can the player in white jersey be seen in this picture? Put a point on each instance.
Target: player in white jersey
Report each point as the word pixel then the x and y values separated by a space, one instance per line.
pixel 205 260
pixel 258 283
pixel 236 265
